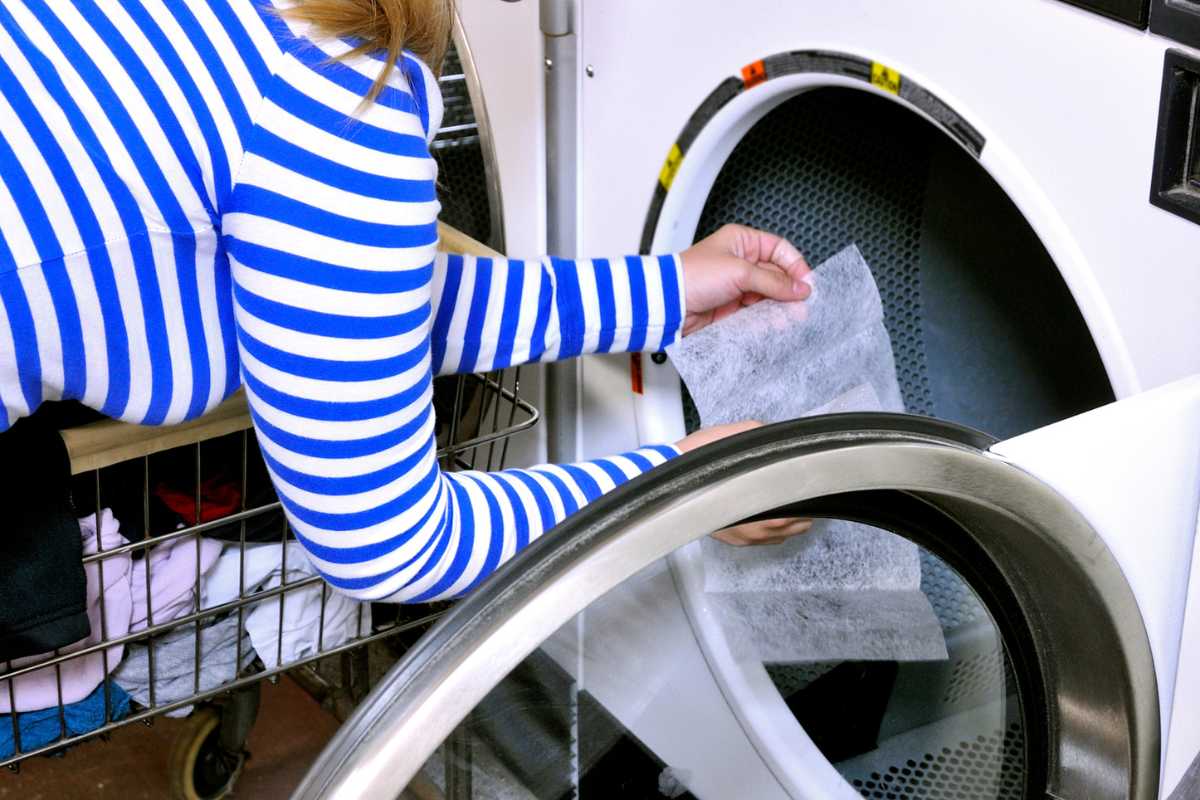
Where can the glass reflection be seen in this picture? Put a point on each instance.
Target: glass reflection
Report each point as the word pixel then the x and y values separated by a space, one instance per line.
pixel 846 663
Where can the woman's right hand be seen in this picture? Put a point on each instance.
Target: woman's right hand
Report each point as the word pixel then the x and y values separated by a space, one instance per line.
pixel 771 531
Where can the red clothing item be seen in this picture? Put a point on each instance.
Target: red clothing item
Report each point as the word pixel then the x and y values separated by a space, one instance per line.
pixel 218 498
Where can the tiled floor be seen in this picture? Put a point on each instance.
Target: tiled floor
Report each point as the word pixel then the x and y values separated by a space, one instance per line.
pixel 290 731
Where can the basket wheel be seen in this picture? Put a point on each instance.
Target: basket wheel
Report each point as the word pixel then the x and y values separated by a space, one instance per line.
pixel 200 768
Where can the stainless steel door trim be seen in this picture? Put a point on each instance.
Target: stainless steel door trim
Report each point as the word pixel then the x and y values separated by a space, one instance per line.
pixel 1101 716
pixel 1188 787
pixel 483 121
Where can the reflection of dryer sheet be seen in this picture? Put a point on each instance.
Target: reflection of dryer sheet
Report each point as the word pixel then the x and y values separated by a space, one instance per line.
pixel 843 590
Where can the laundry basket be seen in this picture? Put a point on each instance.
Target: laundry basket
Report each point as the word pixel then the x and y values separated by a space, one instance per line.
pixel 197 590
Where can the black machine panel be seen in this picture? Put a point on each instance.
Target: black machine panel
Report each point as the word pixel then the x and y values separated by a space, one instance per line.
pixel 1176 19
pixel 1131 12
pixel 1175 185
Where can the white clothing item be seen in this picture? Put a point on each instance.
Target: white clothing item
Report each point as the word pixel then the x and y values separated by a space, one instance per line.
pixel 233 576
pixel 306 627
pixel 172 570
pixel 300 632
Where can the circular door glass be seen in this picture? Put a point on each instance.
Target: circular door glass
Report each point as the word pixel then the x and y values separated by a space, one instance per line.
pixel 846 662
pixel 914 696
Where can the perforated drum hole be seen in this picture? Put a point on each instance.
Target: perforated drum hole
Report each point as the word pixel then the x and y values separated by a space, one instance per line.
pixel 953 601
pixel 462 177
pixel 990 767
pixel 981 676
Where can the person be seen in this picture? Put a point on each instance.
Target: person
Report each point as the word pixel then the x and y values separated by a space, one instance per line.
pixel 198 195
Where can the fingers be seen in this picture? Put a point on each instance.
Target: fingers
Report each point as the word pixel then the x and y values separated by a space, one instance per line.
pixel 770 282
pixel 707 435
pixel 750 298
pixel 737 267
pixel 785 256
pixel 772 531
pixel 724 311
pixel 765 248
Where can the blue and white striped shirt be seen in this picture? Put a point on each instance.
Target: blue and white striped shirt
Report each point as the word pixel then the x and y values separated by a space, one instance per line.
pixel 191 199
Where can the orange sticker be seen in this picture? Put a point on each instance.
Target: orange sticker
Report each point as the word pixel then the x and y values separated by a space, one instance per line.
pixel 754 74
pixel 635 372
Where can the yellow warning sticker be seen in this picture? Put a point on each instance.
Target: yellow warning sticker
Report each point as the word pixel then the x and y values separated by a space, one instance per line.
pixel 885 77
pixel 670 166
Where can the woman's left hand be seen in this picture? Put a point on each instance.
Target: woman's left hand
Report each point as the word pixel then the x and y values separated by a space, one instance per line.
pixel 771 531
pixel 738 266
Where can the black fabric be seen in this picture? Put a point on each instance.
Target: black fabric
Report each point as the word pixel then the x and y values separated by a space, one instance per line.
pixel 43 588
pixel 842 710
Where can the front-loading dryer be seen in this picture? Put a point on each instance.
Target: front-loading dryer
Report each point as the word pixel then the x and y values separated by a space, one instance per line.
pixel 1012 173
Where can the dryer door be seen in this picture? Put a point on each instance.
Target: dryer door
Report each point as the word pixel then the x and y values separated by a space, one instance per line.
pixel 592 666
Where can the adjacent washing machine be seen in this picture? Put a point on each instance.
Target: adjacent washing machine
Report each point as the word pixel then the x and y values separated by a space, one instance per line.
pixel 1024 180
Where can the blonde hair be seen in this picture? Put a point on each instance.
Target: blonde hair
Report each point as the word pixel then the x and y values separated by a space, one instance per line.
pixel 388 26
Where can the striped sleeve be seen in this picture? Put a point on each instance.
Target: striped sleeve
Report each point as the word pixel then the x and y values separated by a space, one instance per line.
pixel 494 313
pixel 331 232
pixel 491 517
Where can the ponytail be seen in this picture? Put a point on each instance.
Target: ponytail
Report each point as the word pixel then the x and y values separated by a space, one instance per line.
pixel 383 26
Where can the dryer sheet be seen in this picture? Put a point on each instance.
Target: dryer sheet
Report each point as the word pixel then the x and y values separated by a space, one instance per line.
pixel 842 591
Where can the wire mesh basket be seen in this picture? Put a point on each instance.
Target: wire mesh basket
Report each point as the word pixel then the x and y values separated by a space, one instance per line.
pixel 196 588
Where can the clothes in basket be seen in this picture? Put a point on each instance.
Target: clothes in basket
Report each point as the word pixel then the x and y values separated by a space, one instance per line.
pixel 170 568
pixel 43 589
pixel 175 659
pixel 80 676
pixel 239 574
pixel 300 633
pixel 38 728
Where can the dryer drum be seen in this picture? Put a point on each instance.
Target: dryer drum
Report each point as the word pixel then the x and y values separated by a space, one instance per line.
pixel 984 330
pixel 462 148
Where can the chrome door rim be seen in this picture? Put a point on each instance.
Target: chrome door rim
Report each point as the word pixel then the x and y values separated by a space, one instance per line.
pixel 1101 719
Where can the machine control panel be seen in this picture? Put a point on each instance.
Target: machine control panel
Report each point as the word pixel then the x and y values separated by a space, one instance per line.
pixel 1131 12
pixel 1176 19
pixel 1175 185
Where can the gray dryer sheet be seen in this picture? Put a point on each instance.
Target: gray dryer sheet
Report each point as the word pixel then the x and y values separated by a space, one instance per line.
pixel 843 590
